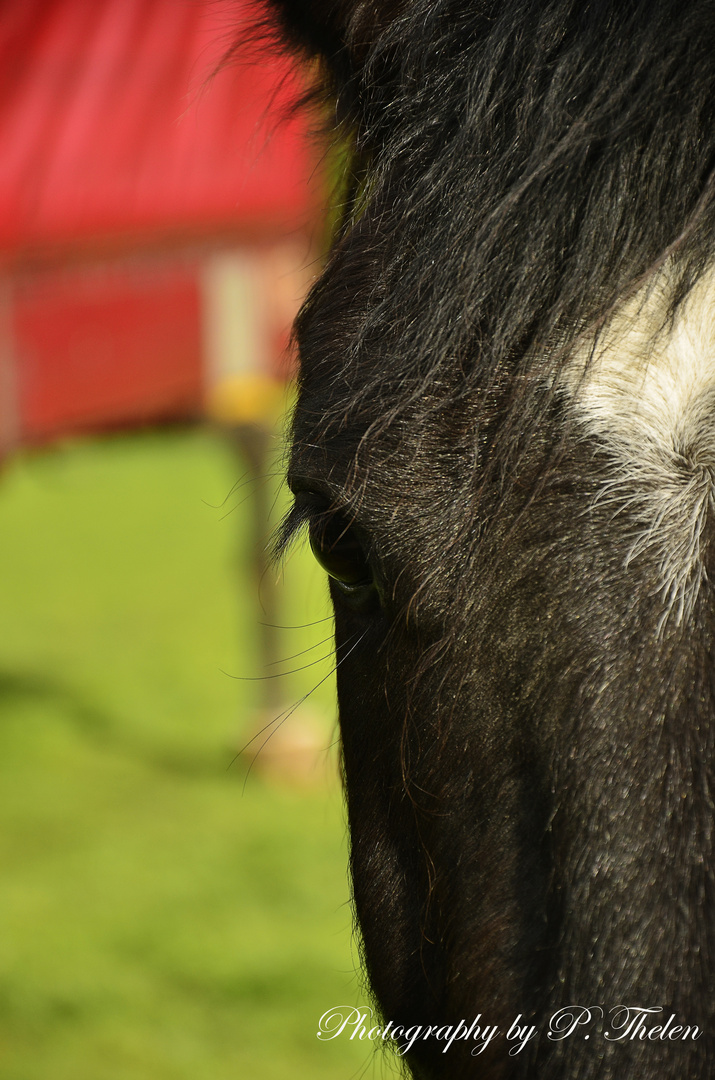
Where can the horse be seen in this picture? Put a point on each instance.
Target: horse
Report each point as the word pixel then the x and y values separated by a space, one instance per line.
pixel 503 452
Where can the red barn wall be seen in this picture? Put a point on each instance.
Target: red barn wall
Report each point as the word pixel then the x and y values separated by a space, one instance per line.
pixel 97 347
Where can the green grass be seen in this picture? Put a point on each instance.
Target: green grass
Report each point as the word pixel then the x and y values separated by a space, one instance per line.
pixel 161 917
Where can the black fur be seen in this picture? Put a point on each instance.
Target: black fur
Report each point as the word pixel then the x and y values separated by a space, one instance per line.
pixel 528 762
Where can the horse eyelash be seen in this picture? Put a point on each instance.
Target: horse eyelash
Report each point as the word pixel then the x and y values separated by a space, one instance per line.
pixel 310 507
pixel 287 532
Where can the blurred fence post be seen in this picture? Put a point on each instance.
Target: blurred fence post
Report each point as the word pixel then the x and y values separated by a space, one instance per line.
pixel 249 300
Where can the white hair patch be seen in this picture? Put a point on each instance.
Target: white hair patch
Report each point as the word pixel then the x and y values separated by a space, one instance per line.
pixel 647 391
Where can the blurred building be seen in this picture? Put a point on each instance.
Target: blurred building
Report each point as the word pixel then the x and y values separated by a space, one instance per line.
pixel 156 208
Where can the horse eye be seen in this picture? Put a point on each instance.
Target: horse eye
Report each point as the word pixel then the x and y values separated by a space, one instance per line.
pixel 339 552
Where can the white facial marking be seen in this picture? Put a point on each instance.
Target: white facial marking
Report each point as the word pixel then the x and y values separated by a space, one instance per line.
pixel 648 392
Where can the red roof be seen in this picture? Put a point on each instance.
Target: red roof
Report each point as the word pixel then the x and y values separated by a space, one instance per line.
pixel 114 121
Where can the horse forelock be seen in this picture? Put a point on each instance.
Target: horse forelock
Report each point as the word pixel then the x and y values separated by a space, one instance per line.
pixel 521 168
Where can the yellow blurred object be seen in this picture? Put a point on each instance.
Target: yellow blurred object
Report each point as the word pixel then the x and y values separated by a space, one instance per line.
pixel 247 398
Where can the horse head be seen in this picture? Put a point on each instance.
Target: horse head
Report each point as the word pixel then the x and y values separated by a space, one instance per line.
pixel 504 455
